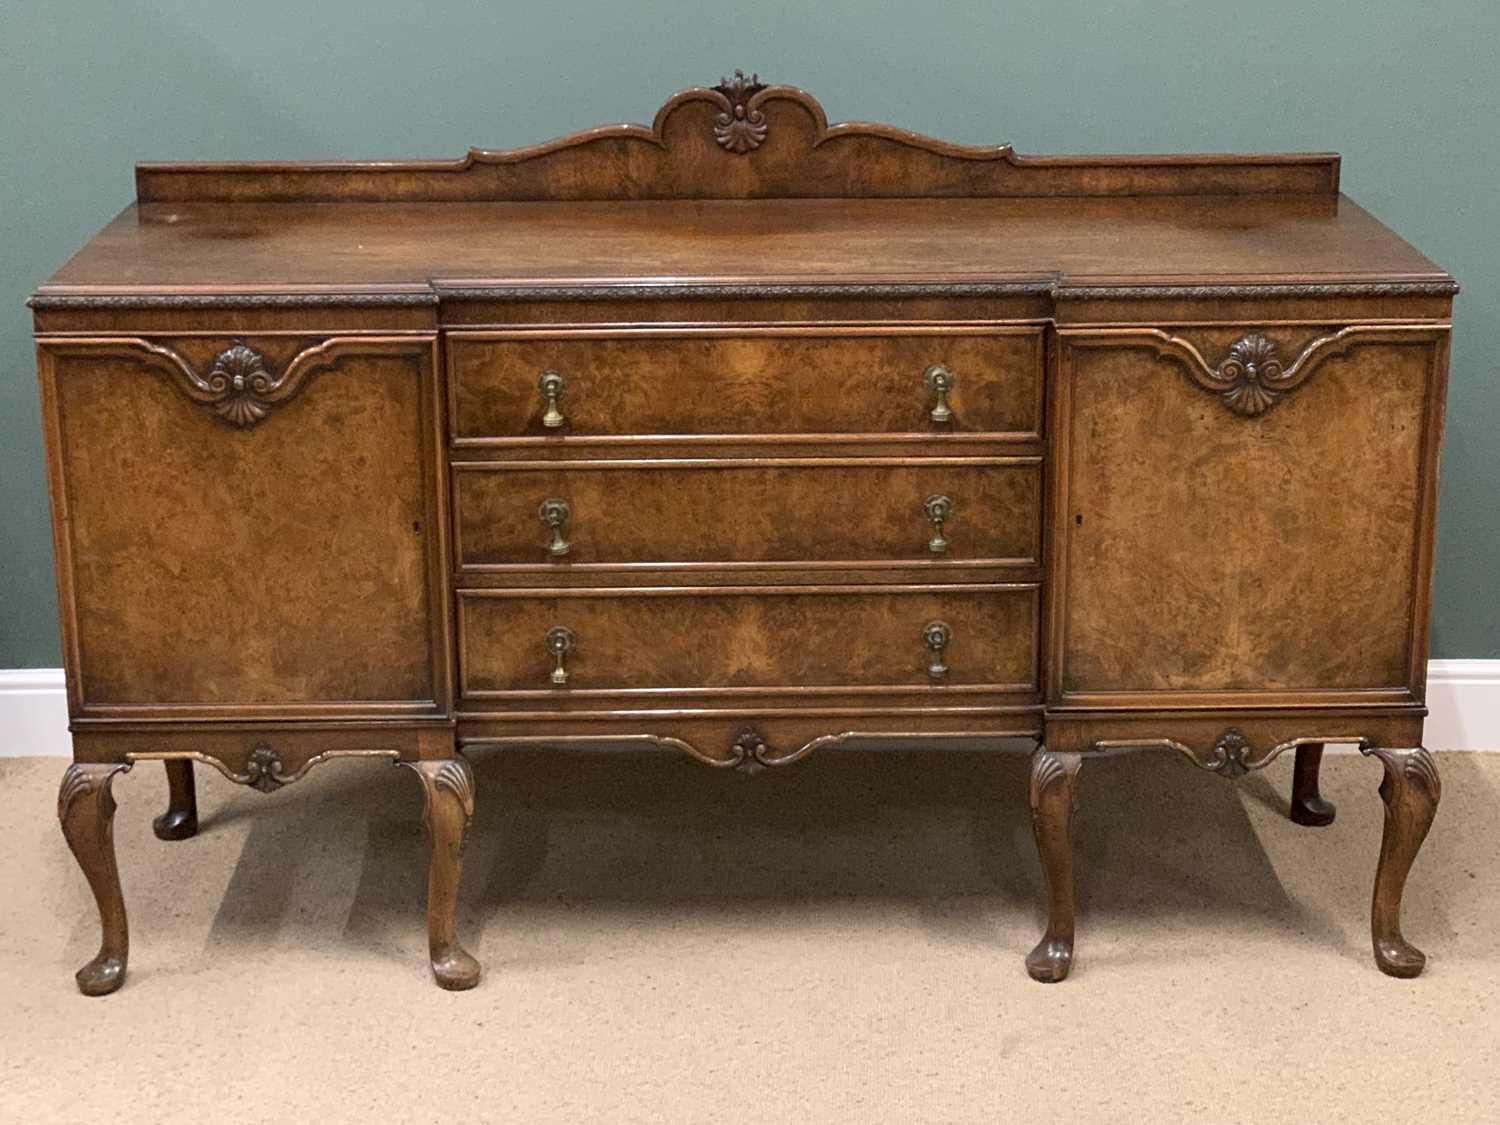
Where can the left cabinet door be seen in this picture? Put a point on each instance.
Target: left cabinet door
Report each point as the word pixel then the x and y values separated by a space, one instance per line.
pixel 249 528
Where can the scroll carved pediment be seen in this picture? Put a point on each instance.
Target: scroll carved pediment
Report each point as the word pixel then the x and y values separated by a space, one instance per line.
pixel 740 139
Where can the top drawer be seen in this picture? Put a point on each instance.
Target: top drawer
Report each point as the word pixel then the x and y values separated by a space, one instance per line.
pixel 788 382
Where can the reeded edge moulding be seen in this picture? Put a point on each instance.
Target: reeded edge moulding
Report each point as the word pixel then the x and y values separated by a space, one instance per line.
pixel 609 290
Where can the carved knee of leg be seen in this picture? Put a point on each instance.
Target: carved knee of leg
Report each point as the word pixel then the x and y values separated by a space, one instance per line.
pixel 448 791
pixel 1053 799
pixel 1411 790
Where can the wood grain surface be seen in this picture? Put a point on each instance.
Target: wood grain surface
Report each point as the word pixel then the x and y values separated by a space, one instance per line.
pixel 635 438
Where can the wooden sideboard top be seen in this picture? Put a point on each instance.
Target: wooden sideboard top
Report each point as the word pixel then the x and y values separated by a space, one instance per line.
pixel 742 183
pixel 1174 240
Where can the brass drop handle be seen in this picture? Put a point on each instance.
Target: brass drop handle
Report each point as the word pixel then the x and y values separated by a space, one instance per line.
pixel 554 514
pixel 938 509
pixel 936 636
pixel 560 642
pixel 552 385
pixel 939 381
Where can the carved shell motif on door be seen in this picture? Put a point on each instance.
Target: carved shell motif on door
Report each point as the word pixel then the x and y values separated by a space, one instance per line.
pixel 1252 369
pixel 1252 377
pixel 245 388
pixel 241 386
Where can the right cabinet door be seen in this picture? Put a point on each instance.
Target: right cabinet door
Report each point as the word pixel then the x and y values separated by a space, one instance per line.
pixel 1242 515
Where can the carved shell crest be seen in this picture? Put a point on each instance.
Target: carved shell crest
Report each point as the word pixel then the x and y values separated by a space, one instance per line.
pixel 740 128
pixel 1252 364
pixel 240 377
pixel 263 769
pixel 1231 755
pixel 748 752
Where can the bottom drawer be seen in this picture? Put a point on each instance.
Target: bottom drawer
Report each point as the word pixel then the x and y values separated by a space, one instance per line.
pixel 760 640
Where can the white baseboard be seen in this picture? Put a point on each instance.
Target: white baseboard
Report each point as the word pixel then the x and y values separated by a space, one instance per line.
pixel 33 713
pixel 1463 696
pixel 1463 703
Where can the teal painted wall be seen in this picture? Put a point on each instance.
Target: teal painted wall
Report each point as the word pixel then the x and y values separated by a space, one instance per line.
pixel 1408 92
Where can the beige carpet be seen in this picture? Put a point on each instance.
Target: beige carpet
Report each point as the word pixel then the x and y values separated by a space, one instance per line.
pixel 838 942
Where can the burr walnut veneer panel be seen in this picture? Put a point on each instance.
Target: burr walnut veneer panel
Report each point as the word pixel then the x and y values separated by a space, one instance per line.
pixel 789 383
pixel 235 567
pixel 742 436
pixel 1203 550
pixel 674 642
pixel 670 512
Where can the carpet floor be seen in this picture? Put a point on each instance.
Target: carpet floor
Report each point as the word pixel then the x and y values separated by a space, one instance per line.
pixel 841 941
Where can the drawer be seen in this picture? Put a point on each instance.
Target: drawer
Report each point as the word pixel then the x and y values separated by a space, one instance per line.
pixel 788 382
pixel 755 511
pixel 722 640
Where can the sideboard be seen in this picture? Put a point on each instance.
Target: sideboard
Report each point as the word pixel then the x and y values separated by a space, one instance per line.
pixel 747 437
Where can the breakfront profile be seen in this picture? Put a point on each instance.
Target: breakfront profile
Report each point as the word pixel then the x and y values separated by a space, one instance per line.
pixel 746 437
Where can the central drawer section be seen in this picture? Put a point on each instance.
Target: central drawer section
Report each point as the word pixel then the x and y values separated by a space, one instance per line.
pixel 723 520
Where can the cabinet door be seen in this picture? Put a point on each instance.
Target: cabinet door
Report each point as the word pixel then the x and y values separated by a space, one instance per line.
pixel 1243 516
pixel 248 528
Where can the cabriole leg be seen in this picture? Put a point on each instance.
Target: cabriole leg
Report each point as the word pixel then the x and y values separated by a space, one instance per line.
pixel 180 821
pixel 1410 790
pixel 86 808
pixel 1308 806
pixel 448 789
pixel 1053 799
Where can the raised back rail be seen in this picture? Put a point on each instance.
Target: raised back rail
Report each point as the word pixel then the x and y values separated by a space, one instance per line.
pixel 740 140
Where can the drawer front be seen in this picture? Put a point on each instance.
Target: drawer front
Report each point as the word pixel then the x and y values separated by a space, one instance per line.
pixel 752 512
pixel 744 639
pixel 745 382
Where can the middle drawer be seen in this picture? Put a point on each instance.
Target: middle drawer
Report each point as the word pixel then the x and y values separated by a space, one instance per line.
pixel 754 512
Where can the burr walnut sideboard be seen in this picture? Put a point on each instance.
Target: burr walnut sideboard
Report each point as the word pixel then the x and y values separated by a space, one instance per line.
pixel 747 437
